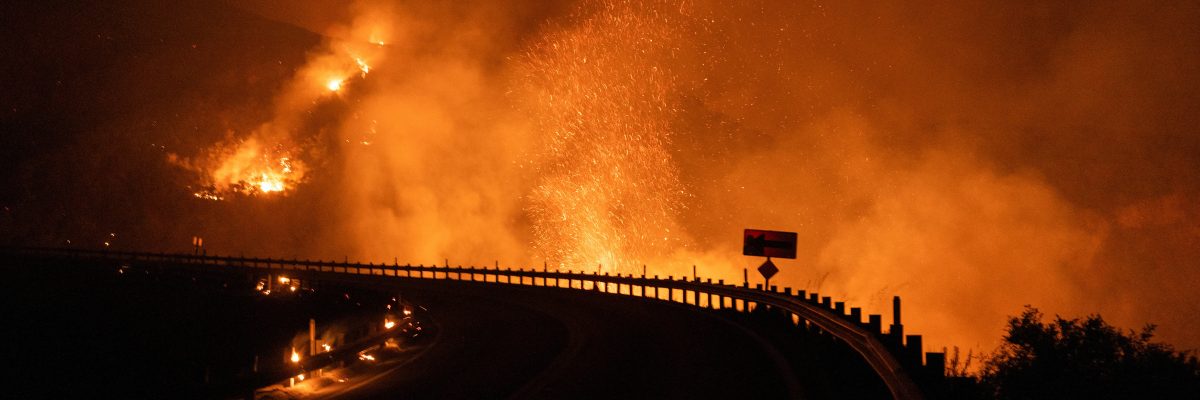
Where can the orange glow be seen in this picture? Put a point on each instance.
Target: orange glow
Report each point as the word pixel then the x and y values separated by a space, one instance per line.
pixel 245 167
pixel 269 184
pixel 208 196
pixel 295 356
pixel 263 161
pixel 362 66
pixel 333 84
pixel 388 324
pixel 634 133
pixel 608 191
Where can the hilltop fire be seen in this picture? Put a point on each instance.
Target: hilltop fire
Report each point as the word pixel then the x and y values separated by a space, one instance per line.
pixel 608 135
pixel 267 161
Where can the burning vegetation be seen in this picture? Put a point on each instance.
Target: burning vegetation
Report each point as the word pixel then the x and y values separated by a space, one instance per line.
pixel 268 161
pixel 925 149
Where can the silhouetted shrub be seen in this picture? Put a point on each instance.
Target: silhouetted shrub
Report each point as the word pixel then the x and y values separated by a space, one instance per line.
pixel 1086 359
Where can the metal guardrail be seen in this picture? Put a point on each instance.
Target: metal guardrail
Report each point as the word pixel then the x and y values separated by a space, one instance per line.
pixel 848 328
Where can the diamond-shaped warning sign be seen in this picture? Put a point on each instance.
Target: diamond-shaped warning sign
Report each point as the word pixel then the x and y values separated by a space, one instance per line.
pixel 768 269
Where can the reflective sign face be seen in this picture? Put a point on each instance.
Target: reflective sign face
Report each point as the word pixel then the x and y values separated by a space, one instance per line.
pixel 763 243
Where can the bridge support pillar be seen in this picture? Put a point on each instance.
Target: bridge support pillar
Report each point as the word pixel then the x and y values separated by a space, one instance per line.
pixel 913 351
pixel 875 324
pixel 897 328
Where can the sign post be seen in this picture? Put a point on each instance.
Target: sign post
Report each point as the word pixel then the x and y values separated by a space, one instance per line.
pixel 767 269
pixel 763 243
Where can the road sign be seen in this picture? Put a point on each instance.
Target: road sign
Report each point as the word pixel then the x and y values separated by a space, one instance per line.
pixel 769 243
pixel 768 269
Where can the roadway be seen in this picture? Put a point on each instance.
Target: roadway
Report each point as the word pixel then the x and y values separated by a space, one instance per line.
pixel 521 342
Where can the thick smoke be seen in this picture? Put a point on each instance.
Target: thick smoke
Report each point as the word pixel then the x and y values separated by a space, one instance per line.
pixel 970 157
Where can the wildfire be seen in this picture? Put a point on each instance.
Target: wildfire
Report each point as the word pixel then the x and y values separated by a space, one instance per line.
pixel 204 195
pixel 608 191
pixel 362 66
pixel 268 184
pixel 264 162
pixel 334 84
pixel 245 167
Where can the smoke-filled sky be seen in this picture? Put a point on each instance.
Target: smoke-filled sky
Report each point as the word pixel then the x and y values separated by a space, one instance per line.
pixel 971 157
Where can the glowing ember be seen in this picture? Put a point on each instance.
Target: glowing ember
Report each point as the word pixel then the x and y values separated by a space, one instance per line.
pixel 295 356
pixel 270 184
pixel 362 66
pixel 205 195
pixel 333 85
pixel 284 280
pixel 388 324
pixel 327 347
pixel 366 357
pixel 608 192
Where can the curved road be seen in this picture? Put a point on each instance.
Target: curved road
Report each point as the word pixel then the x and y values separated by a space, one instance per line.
pixel 520 342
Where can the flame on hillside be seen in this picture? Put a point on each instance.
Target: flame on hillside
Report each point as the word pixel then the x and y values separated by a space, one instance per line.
pixel 268 161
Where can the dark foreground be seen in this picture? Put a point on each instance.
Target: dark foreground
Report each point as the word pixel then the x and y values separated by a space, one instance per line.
pixel 520 342
pixel 87 332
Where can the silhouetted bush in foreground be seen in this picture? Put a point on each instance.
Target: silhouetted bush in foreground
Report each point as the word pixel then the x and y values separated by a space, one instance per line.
pixel 1086 359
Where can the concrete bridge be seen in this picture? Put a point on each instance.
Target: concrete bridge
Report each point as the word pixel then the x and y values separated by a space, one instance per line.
pixel 896 358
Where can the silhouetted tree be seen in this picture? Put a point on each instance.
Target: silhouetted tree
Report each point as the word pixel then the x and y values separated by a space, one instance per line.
pixel 1086 359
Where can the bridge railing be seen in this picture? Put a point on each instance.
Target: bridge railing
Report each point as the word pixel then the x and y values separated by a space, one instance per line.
pixel 891 355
